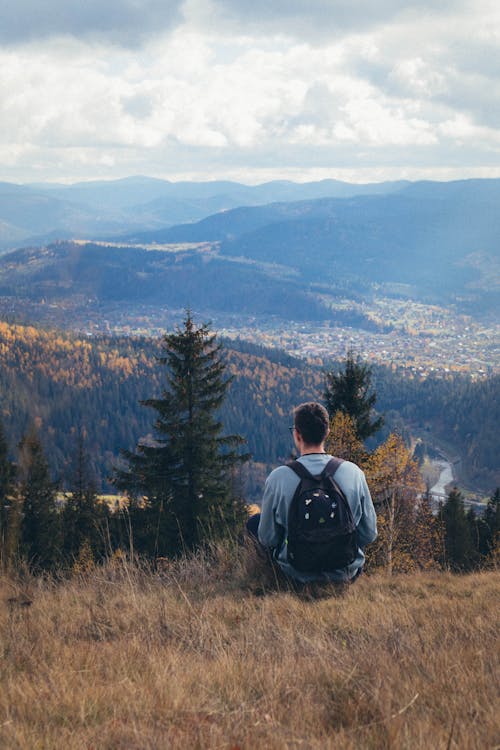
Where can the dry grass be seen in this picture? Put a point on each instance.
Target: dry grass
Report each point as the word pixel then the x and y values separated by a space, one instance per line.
pixel 198 657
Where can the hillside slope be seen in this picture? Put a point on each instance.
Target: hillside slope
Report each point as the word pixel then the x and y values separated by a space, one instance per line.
pixel 437 239
pixel 104 207
pixel 175 277
pixel 123 658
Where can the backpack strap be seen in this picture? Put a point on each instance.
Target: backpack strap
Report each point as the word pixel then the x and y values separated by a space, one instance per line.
pixel 329 470
pixel 299 469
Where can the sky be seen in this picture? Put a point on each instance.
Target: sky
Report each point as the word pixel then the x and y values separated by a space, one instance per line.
pixel 251 91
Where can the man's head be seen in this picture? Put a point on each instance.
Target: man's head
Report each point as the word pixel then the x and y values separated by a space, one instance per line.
pixel 311 422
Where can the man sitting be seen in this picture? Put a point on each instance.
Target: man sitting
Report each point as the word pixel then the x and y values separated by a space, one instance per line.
pixel 309 431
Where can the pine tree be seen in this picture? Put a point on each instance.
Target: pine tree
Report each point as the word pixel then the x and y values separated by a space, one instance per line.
pixel 7 475
pixel 40 528
pixel 182 479
pixel 491 525
pixel 459 549
pixel 348 391
pixel 427 542
pixel 83 514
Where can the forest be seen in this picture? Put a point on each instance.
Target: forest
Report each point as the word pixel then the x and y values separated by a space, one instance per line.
pixel 182 485
pixel 64 383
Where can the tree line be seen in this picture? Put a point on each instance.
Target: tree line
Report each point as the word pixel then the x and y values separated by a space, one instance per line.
pixel 183 485
pixel 65 382
pixel 461 412
pixel 411 535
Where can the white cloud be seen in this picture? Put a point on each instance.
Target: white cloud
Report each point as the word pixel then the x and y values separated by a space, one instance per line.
pixel 315 21
pixel 124 22
pixel 415 75
pixel 463 131
pixel 394 89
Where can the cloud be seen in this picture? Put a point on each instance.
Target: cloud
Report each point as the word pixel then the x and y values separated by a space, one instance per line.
pixel 226 86
pixel 124 22
pixel 312 20
pixel 131 23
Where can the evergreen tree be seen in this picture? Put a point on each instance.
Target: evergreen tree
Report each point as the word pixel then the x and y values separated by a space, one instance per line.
pixel 348 391
pixel 458 546
pixel 40 527
pixel 427 542
pixel 182 480
pixel 475 528
pixel 491 524
pixel 83 514
pixel 7 475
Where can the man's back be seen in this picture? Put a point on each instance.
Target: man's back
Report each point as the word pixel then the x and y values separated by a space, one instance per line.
pixel 278 493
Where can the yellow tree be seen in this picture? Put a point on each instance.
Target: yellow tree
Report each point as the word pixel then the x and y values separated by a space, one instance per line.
pixel 342 440
pixel 395 483
pixel 428 534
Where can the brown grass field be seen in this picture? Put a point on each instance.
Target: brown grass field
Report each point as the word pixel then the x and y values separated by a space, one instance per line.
pixel 211 653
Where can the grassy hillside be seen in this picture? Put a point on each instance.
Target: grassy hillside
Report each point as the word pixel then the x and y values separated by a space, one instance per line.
pixel 193 658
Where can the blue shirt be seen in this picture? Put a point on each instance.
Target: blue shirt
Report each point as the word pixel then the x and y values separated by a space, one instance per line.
pixel 278 493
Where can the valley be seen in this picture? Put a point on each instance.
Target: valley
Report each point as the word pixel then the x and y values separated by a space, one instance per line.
pixel 422 339
pixel 406 275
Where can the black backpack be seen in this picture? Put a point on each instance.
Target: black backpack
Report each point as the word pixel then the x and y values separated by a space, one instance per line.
pixel 321 530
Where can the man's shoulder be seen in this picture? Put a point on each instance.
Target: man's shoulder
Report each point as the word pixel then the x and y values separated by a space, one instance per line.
pixel 349 466
pixel 281 472
pixel 280 484
pixel 351 479
pixel 351 472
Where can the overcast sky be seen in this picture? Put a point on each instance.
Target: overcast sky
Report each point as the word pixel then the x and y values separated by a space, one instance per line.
pixel 249 90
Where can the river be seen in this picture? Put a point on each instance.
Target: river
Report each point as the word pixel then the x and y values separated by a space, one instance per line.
pixel 438 491
pixel 445 477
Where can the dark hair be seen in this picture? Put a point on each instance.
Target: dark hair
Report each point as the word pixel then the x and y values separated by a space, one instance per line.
pixel 312 421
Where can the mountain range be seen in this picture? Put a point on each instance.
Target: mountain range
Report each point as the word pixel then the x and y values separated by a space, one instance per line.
pixel 434 238
pixel 434 242
pixel 39 212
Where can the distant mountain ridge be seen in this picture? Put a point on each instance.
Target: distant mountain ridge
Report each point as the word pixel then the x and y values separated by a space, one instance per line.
pixel 433 242
pixel 38 212
pixel 437 239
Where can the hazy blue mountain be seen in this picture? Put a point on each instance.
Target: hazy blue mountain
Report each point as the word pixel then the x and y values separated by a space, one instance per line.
pixel 435 238
pixel 139 191
pixel 41 212
pixel 110 194
pixel 223 225
pixel 30 215
pixel 203 199
pixel 431 241
pixel 98 274
pixel 25 212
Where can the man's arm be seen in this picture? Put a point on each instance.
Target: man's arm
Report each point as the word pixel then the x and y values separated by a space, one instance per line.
pixel 367 527
pixel 270 532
